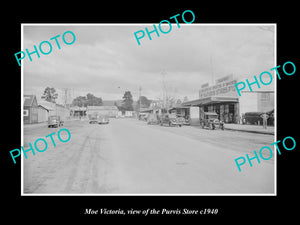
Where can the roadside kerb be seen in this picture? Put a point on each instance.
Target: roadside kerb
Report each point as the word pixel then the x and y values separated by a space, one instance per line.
pixel 246 128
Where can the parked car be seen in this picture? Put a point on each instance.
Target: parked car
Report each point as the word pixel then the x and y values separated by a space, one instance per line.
pixel 152 119
pixel 93 118
pixel 171 120
pixel 55 121
pixel 184 121
pixel 99 119
pixel 211 121
pixel 103 120
pixel 255 118
pixel 143 116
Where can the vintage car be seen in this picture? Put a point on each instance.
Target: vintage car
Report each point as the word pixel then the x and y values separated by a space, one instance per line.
pixel 171 120
pixel 103 120
pixel 184 121
pixel 152 119
pixel 93 118
pixel 55 121
pixel 143 116
pixel 99 119
pixel 210 120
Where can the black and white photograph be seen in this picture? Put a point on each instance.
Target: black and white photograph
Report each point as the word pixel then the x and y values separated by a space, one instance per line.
pixel 149 111
pixel 144 109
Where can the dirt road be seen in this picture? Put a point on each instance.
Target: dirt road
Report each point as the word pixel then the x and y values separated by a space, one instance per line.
pixel 128 156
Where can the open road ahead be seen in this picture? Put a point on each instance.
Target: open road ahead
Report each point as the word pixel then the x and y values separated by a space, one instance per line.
pixel 128 156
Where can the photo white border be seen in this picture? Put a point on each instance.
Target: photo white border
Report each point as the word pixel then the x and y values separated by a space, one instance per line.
pixel 151 194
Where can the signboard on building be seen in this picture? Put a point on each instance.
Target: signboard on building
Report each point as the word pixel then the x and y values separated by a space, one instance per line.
pixel 224 87
pixel 204 85
pixel 224 79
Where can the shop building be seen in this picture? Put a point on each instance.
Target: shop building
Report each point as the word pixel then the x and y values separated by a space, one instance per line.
pixel 223 99
pixel 76 111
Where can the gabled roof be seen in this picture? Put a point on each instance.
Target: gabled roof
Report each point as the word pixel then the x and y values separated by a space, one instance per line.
pixel 48 105
pixel 43 107
pixel 30 100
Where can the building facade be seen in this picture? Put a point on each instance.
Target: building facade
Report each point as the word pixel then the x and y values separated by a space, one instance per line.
pixel 110 111
pixel 55 109
pixel 223 99
pixel 43 114
pixel 30 109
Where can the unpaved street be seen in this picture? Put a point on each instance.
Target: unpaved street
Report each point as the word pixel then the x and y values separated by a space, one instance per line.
pixel 128 156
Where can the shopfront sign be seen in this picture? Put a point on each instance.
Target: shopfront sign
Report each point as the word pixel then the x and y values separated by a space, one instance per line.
pixel 223 87
pixel 205 85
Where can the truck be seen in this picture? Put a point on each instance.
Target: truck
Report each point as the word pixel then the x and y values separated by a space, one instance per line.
pixel 55 121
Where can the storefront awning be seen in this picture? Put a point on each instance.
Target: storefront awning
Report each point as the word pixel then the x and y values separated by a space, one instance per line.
pixel 179 107
pixel 210 100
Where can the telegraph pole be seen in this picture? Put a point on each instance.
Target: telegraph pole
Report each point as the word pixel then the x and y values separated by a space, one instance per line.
pixel 163 73
pixel 140 90
pixel 212 70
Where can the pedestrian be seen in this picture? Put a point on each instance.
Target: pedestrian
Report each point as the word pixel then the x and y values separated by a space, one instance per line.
pixel 265 119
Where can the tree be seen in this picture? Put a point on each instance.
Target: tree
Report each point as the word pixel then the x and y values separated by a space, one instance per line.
pixel 50 94
pixel 93 100
pixel 88 100
pixel 80 101
pixel 127 102
pixel 145 102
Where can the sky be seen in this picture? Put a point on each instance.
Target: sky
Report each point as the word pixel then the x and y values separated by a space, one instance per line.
pixel 106 60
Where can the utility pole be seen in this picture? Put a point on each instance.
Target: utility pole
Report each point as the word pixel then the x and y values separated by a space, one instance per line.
pixel 212 70
pixel 140 90
pixel 163 73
